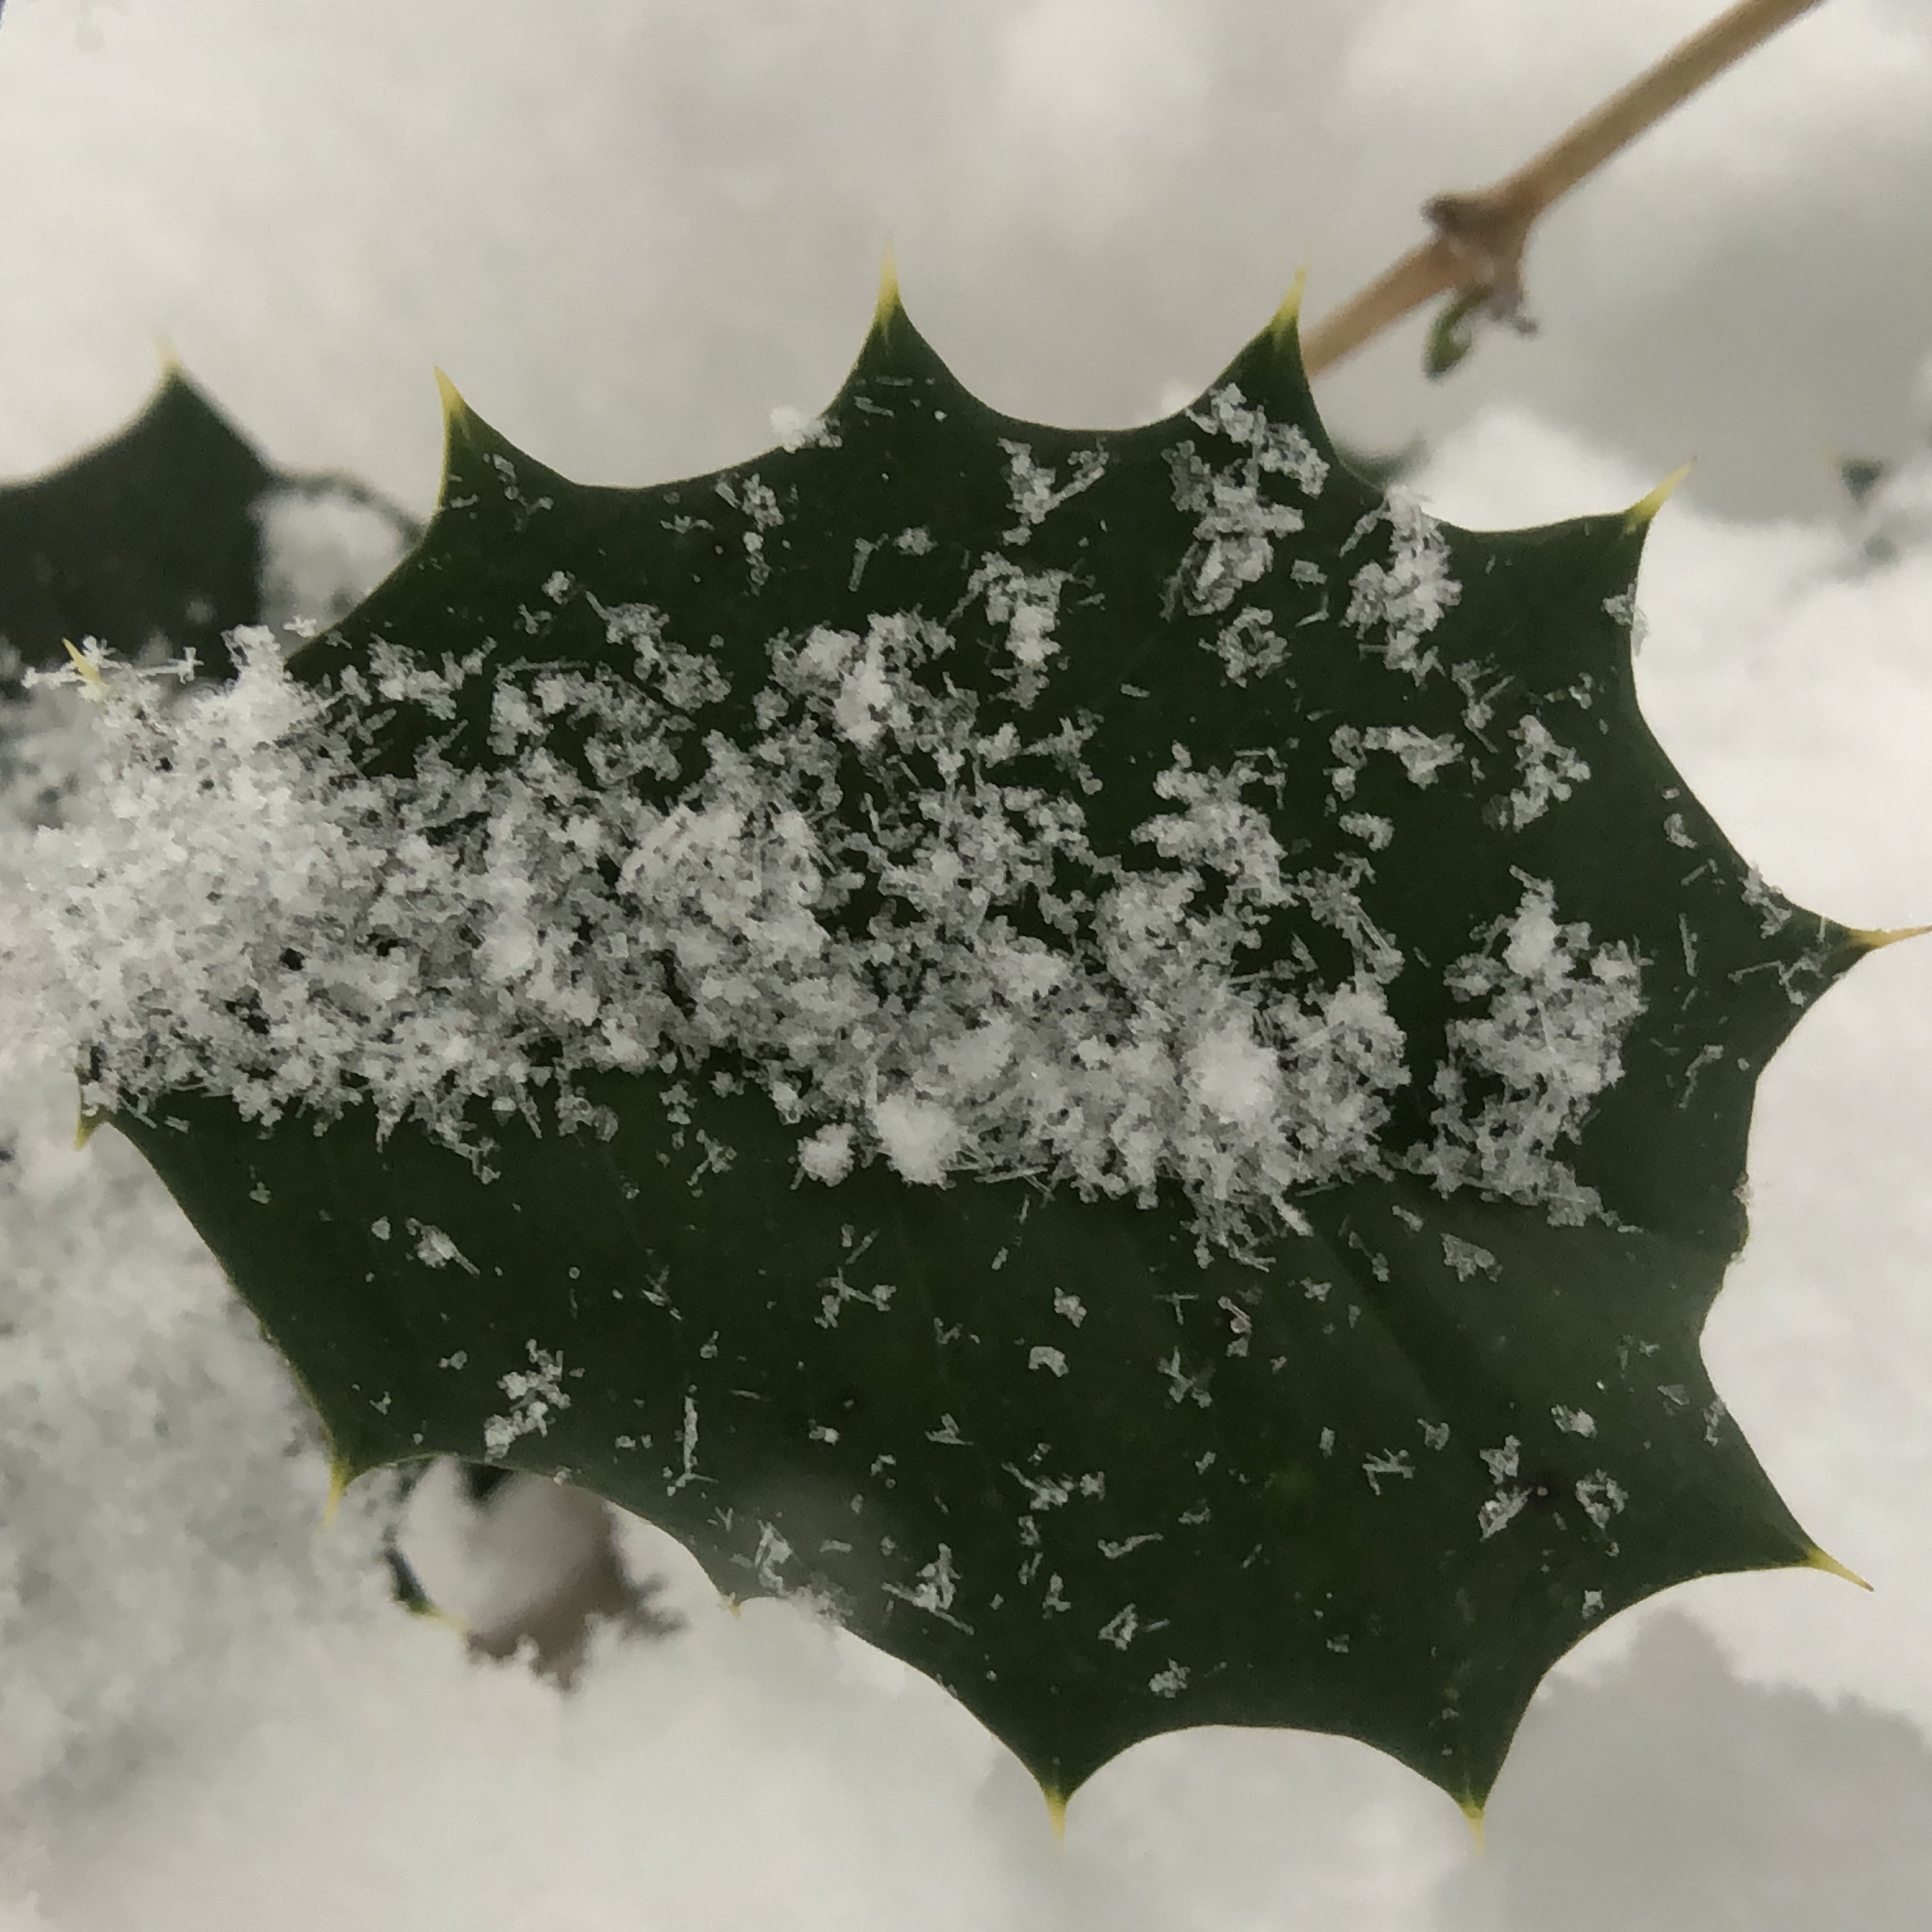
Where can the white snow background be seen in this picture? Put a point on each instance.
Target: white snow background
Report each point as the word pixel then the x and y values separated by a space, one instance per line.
pixel 629 228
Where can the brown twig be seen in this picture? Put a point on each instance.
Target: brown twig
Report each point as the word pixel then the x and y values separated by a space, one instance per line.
pixel 1477 248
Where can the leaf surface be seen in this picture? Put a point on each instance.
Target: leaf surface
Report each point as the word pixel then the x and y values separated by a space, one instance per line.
pixel 155 540
pixel 1106 1457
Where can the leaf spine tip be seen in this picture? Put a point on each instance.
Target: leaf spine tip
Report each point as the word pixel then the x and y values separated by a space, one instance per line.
pixel 1870 939
pixel 1472 1809
pixel 453 404
pixel 1288 315
pixel 889 303
pixel 1817 1559
pixel 730 1603
pixel 340 1477
pixel 82 663
pixel 169 356
pixel 1641 512
pixel 1056 1810
pixel 85 1126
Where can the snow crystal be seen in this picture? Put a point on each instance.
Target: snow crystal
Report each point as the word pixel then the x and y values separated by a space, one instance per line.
pixel 1773 909
pixel 1235 522
pixel 1500 1511
pixel 1558 1012
pixel 535 1396
pixel 795 429
pixel 1273 448
pixel 1232 1076
pixel 918 1137
pixel 435 1250
pixel 1466 1258
pixel 1029 607
pixel 1602 1497
pixel 826 1155
pixel 1036 492
pixel 1248 646
pixel 934 1589
pixel 1407 596
pixel 1550 772
pixel 1421 755
pixel 1623 607
pixel 1374 832
pixel 1390 1463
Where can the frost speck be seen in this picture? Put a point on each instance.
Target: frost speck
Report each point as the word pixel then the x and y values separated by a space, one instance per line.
pixel 1602 1497
pixel 435 1250
pixel 1557 1012
pixel 1405 597
pixel 1623 608
pixel 1550 774
pixel 1500 1511
pixel 826 1155
pixel 1465 1258
pixel 1374 832
pixel 1237 520
pixel 933 1589
pixel 1421 755
pixel 535 1396
pixel 1035 490
pixel 919 1137
pixel 1232 1076
pixel 795 429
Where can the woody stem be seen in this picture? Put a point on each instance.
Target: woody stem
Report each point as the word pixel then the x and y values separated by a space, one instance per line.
pixel 1478 245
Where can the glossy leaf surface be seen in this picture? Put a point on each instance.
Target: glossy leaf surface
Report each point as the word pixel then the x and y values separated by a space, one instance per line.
pixel 1100 1475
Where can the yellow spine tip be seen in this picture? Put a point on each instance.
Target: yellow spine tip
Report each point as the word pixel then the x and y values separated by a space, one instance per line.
pixel 85 1126
pixel 1056 1810
pixel 1288 315
pixel 1817 1559
pixel 1640 512
pixel 82 663
pixel 731 1602
pixel 1870 939
pixel 340 1477
pixel 453 404
pixel 889 288
pixel 169 358
pixel 1472 1813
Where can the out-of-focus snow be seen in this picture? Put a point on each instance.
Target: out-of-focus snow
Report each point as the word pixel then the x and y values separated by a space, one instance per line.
pixel 630 233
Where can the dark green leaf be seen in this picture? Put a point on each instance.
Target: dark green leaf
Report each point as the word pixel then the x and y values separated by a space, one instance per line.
pixel 154 541
pixel 1103 1468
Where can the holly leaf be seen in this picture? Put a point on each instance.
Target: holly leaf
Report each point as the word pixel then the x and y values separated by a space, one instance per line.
pixel 1109 1056
pixel 168 535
